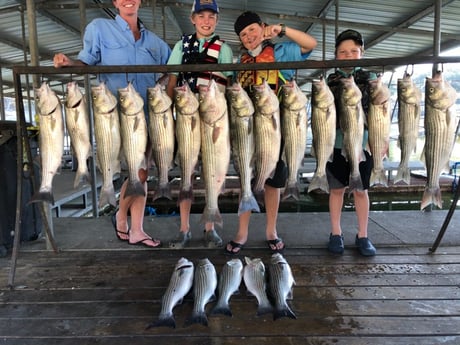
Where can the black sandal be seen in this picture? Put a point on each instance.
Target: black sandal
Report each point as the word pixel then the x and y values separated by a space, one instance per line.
pixel 118 232
pixel 272 245
pixel 234 245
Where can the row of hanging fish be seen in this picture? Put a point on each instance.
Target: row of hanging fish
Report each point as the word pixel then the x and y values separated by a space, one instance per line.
pixel 440 123
pixel 271 290
pixel 211 125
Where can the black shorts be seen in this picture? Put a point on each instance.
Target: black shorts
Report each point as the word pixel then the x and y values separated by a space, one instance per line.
pixel 279 177
pixel 338 171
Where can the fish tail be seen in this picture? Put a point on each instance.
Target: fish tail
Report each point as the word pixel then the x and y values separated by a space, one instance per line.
pixel 403 174
pixel 211 215
pixel 319 182
pixel 264 308
pixel 222 309
pixel 355 183
pixel 107 196
pixel 81 178
pixel 248 203
pixel 185 194
pixel 284 312
pixel 197 317
pixel 164 322
pixel 378 177
pixel 42 196
pixel 291 191
pixel 431 196
pixel 134 188
pixel 163 191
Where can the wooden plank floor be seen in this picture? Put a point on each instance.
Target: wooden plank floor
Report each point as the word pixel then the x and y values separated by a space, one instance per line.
pixel 108 294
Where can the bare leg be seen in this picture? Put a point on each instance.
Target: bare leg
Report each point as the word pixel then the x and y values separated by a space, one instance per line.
pixel 335 209
pixel 362 211
pixel 185 206
pixel 272 201
pixel 136 205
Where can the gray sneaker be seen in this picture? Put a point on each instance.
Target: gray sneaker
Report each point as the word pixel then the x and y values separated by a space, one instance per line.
pixel 181 241
pixel 212 239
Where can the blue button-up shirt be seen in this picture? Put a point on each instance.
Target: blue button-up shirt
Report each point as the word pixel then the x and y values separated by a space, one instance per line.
pixel 111 42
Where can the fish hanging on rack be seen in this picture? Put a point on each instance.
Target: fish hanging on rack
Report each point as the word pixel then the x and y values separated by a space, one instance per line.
pixel 51 140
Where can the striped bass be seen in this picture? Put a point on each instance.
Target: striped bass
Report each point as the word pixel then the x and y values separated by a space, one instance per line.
pixel 77 124
pixel 179 285
pixel 204 287
pixel 352 124
pixel 267 132
pixel 215 147
pixel 255 280
pixel 294 132
pixel 188 137
pixel 323 126
pixel 242 139
pixel 161 130
pixel 134 137
pixel 379 121
pixel 409 97
pixel 280 285
pixel 440 125
pixel 51 140
pixel 229 283
pixel 108 140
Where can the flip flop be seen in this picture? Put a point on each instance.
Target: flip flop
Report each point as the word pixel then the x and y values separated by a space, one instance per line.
pixel 234 245
pixel 272 245
pixel 118 232
pixel 143 243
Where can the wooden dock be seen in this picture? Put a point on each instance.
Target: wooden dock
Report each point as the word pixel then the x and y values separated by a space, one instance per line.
pixel 98 290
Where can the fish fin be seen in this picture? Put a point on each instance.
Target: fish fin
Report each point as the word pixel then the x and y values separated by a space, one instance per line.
pixel 82 178
pixel 186 194
pixel 355 184
pixel 403 174
pixel 248 204
pixel 107 196
pixel 291 191
pixel 264 309
pixel 378 177
pixel 134 188
pixel 194 122
pixel 42 196
pixel 285 312
pixel 163 191
pixel 319 182
pixel 215 134
pixel 223 310
pixel 211 215
pixel 164 322
pixel 197 317
pixel 431 196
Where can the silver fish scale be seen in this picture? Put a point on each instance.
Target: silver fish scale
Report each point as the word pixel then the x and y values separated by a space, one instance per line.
pixel 77 123
pixel 179 285
pixel 204 285
pixel 188 137
pixel 255 281
pixel 243 146
pixel 161 130
pixel 51 140
pixel 108 140
pixel 440 124
pixel 379 121
pixel 280 283
pixel 230 280
pixel 323 126
pixel 409 109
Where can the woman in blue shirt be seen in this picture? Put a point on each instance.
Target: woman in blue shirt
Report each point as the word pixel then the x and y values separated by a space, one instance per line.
pixel 123 41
